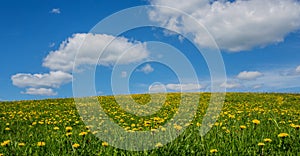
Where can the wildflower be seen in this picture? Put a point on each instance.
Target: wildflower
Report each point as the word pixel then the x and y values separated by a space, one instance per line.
pixel 75 145
pixel 7 124
pixel 7 129
pixel 159 145
pixel 243 127
pixel 41 122
pixel 198 124
pixel 41 144
pixel 69 134
pixel 56 128
pixel 267 140
pixel 34 123
pixel 83 133
pixel 256 122
pixel 213 151
pixel 283 135
pixel 105 144
pixel 5 143
pixel 177 127
pixel 261 144
pixel 21 144
pixel 1 154
pixel 297 126
pixel 68 129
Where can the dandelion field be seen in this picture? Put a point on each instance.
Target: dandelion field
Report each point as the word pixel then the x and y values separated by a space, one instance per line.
pixel 249 124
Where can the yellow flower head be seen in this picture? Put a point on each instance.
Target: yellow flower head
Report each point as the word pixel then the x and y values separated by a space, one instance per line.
pixel 256 122
pixel 177 127
pixel 83 133
pixel 5 143
pixel 21 144
pixel 7 129
pixel 75 145
pixel 41 144
pixel 267 140
pixel 243 127
pixel 213 151
pixel 105 144
pixel 159 145
pixel 261 144
pixel 68 128
pixel 69 134
pixel 56 128
pixel 283 135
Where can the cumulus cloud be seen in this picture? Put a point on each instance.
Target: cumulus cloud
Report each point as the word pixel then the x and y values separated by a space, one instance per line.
pixel 147 69
pixel 298 69
pixel 40 91
pixel 184 87
pixel 55 11
pixel 230 85
pixel 249 75
pixel 175 87
pixel 90 47
pixel 53 79
pixel 235 26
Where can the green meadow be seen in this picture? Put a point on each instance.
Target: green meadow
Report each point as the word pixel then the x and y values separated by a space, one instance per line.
pixel 249 124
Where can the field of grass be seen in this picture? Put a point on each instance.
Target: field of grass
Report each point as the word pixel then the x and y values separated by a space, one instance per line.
pixel 249 124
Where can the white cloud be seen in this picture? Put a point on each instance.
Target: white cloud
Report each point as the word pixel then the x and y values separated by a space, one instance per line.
pixel 55 11
pixel 90 47
pixel 298 69
pixel 51 45
pixel 53 79
pixel 249 75
pixel 258 86
pixel 123 74
pixel 157 88
pixel 230 85
pixel 147 69
pixel 175 87
pixel 236 26
pixel 184 87
pixel 40 91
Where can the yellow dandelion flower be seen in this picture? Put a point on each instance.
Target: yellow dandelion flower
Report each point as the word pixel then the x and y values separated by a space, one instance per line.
pixel 21 144
pixel 256 122
pixel 69 134
pixel 83 133
pixel 105 144
pixel 158 145
pixel 297 126
pixel 41 144
pixel 75 145
pixel 267 140
pixel 34 123
pixel 243 127
pixel 261 144
pixel 7 129
pixel 7 124
pixel 213 151
pixel 56 128
pixel 283 135
pixel 1 154
pixel 5 143
pixel 68 128
pixel 177 127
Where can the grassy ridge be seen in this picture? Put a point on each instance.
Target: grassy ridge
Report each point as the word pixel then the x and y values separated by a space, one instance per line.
pixel 249 124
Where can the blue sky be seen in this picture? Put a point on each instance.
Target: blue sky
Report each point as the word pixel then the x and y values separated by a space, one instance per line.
pixel 259 42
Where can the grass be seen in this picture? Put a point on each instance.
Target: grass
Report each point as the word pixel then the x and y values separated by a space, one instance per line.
pixel 249 124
